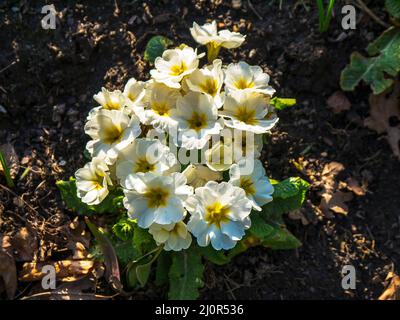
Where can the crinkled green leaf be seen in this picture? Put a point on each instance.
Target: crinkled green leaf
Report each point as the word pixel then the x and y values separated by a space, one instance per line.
pixel 124 228
pixel 289 187
pixel 217 257
pixel 185 275
pixel 288 195
pixel 111 204
pixel 272 235
pixel 393 7
pixel 385 61
pixel 142 240
pixel 155 47
pixel 282 103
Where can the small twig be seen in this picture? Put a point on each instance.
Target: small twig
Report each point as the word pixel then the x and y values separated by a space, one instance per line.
pixel 254 10
pixel 10 65
pixel 15 195
pixel 373 16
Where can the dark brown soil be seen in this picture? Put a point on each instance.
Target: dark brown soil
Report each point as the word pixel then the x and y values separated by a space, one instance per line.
pixel 100 44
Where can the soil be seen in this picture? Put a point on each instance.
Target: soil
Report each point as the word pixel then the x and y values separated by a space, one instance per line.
pixel 48 78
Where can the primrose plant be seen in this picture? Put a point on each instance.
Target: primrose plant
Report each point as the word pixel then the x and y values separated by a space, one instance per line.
pixel 175 167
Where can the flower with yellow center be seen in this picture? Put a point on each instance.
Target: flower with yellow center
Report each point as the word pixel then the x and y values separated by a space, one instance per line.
pixel 241 76
pixel 199 175
pixel 208 80
pixel 92 182
pixel 219 214
pixel 111 131
pixel 208 35
pixel 145 155
pixel 134 92
pixel 110 100
pixel 249 174
pixel 174 65
pixel 174 236
pixel 156 106
pixel 196 119
pixel 152 198
pixel 248 111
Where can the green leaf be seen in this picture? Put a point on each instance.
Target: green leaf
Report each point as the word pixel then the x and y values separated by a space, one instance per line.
pixel 142 240
pixel 155 47
pixel 143 273
pixel 111 204
pixel 289 188
pixel 124 228
pixel 185 275
pixel 126 251
pixel 288 195
pixel 163 265
pixel 217 257
pixel 393 7
pixel 282 103
pixel 272 235
pixel 374 70
pixel 6 170
pixel 282 239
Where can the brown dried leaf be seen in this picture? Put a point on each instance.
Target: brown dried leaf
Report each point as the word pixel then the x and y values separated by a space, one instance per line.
pixel 354 186
pixel 392 292
pixel 385 116
pixel 8 274
pixel 338 102
pixel 66 270
pixel 24 245
pixel 335 202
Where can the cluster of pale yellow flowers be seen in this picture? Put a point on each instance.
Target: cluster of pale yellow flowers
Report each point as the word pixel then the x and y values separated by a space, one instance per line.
pixel 138 134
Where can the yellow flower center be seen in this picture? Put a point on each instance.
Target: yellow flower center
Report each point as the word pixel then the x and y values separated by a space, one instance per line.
pixel 111 134
pixel 142 165
pixel 161 108
pixel 217 214
pixel 242 83
pixel 156 197
pixel 247 185
pixel 178 69
pixel 209 86
pixel 97 185
pixel 132 96
pixel 245 115
pixel 198 121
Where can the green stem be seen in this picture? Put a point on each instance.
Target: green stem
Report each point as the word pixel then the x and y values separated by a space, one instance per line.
pixel 6 169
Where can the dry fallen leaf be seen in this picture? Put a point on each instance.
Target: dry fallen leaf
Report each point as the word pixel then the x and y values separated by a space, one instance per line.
pixel 354 186
pixel 332 199
pixel 66 270
pixel 24 245
pixel 8 274
pixel 385 116
pixel 338 102
pixel 335 202
pixel 392 291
